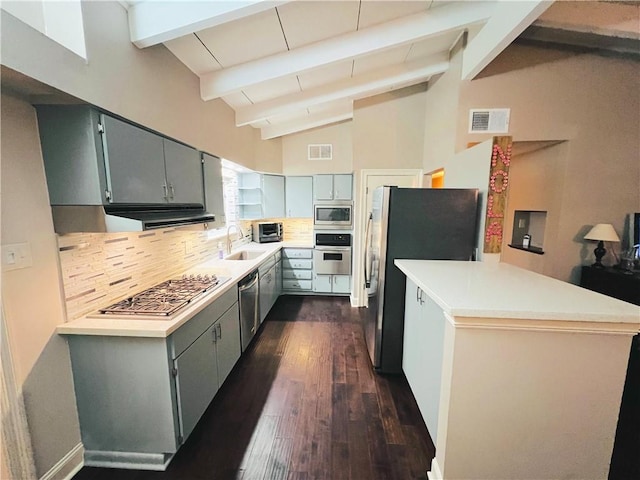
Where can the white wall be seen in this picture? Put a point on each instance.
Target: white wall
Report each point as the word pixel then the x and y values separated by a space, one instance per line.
pixel 594 103
pixel 148 86
pixel 32 297
pixel 295 156
pixel 470 169
pixel 441 114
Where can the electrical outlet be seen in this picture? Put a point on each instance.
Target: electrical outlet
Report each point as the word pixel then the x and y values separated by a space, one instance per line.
pixel 15 256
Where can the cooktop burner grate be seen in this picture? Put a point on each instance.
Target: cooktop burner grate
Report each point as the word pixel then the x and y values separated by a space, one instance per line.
pixel 165 298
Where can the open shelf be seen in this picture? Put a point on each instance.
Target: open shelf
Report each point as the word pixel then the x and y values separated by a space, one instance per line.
pixel 536 250
pixel 531 224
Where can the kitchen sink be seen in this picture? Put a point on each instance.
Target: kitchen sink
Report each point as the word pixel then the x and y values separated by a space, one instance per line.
pixel 244 255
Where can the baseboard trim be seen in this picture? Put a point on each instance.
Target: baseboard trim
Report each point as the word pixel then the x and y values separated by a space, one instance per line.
pixel 67 466
pixel 128 460
pixel 434 473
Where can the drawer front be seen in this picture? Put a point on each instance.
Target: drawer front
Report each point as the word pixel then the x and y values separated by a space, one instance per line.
pixel 195 326
pixel 296 284
pixel 298 253
pixel 294 263
pixel 297 274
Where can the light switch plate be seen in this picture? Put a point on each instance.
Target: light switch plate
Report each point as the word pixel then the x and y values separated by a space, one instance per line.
pixel 15 256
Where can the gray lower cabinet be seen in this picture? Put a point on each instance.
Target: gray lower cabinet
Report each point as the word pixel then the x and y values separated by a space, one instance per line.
pixel 139 398
pixel 331 283
pixel 278 275
pixel 270 274
pixel 297 270
pixel 422 356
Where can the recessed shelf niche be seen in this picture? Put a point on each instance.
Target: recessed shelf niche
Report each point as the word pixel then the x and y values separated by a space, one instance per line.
pixel 532 223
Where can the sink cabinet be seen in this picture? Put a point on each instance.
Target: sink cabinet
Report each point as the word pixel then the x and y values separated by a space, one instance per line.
pixel 139 398
pixel 268 274
pixel 92 158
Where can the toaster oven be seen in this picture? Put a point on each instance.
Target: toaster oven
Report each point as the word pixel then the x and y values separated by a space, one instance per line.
pixel 265 232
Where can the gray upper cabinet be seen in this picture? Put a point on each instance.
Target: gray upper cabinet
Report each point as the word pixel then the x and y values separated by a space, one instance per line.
pixel 184 173
pixel 327 187
pixel 299 197
pixel 213 188
pixel 273 196
pixel 342 187
pixel 92 158
pixel 134 161
pixel 322 187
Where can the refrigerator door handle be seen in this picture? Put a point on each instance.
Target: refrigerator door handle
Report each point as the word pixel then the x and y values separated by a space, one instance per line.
pixel 367 271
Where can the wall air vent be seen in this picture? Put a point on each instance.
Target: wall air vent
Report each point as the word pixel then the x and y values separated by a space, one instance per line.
pixel 489 120
pixel 320 151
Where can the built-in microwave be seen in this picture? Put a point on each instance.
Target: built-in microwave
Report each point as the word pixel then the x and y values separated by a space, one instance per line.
pixel 333 215
pixel 264 232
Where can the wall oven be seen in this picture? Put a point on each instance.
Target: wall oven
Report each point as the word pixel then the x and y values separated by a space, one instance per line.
pixel 333 216
pixel 332 254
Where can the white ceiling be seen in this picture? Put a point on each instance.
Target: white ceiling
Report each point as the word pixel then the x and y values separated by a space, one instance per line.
pixel 290 66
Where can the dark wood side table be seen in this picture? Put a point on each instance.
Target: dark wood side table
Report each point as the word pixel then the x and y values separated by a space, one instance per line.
pixel 612 282
pixel 625 461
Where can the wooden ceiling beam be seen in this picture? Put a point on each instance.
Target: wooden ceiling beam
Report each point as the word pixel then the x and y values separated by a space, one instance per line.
pixel 508 20
pixel 402 31
pixel 340 113
pixel 154 22
pixel 354 88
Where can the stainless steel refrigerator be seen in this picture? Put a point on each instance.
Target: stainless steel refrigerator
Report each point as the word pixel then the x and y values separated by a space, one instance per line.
pixel 415 223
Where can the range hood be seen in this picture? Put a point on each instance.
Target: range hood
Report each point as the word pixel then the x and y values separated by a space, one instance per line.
pixel 127 218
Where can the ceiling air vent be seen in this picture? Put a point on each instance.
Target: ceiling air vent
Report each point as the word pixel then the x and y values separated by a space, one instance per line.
pixel 321 151
pixel 489 120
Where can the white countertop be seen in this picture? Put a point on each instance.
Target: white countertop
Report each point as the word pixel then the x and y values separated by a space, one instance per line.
pixel 127 325
pixel 503 291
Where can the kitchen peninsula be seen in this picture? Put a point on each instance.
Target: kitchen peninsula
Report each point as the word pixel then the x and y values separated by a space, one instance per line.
pixel 517 375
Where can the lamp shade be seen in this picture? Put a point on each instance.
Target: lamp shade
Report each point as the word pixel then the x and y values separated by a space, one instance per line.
pixel 604 232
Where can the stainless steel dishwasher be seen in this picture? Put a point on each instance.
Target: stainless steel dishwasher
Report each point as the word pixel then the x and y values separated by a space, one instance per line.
pixel 248 292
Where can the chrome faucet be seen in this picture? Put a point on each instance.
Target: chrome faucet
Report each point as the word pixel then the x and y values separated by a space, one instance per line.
pixel 239 232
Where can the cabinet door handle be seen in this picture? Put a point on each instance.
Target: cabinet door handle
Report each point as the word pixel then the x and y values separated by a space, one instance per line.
pixel 219 329
pixel 215 334
pixel 417 294
pixel 173 192
pixel 166 192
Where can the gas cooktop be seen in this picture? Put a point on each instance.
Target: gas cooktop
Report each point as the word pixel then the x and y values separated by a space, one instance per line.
pixel 166 298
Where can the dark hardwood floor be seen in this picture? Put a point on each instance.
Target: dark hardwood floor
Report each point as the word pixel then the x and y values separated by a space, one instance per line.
pixel 303 403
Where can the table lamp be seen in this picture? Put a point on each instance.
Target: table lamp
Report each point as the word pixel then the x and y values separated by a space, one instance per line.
pixel 602 232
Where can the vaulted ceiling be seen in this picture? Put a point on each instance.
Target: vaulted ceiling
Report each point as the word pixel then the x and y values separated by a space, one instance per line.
pixel 287 66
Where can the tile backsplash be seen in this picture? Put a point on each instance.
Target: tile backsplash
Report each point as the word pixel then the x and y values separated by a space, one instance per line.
pixel 99 269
